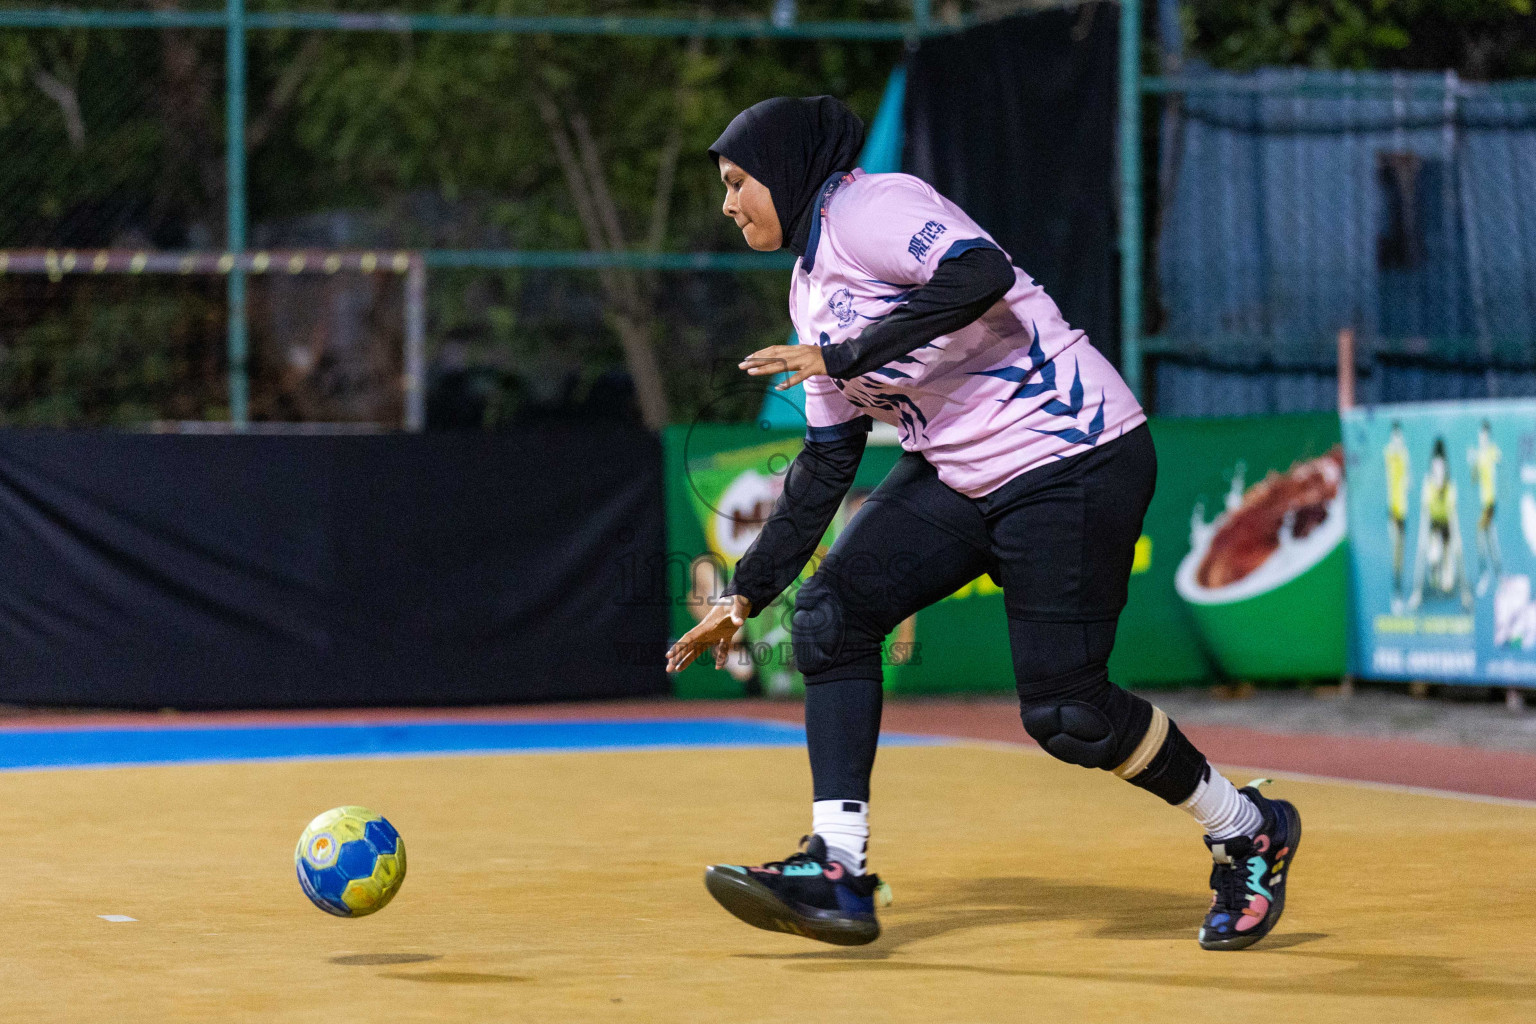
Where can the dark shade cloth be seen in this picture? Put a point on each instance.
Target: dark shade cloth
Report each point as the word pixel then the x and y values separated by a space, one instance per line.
pixel 146 571
pixel 792 146
pixel 1015 122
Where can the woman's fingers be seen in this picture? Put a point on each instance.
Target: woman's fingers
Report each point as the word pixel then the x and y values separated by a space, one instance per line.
pixel 718 628
pixel 772 352
pixel 765 367
pixel 685 652
pixel 716 633
pixel 801 362
pixel 777 359
pixel 679 655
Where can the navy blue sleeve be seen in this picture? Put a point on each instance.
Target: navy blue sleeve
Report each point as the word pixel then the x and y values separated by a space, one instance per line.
pixel 814 487
pixel 838 431
pixel 969 279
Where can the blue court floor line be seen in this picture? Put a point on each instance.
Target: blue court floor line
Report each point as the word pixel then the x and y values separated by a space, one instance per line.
pixel 79 748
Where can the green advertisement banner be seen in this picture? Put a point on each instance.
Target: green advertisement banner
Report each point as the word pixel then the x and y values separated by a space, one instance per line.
pixel 722 482
pixel 1243 555
pixel 1240 572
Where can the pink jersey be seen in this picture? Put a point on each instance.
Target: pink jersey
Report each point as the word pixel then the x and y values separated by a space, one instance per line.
pixel 1015 390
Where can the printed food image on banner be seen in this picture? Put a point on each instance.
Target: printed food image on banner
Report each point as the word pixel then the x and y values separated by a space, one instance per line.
pixel 1234 578
pixel 1443 502
pixel 1265 579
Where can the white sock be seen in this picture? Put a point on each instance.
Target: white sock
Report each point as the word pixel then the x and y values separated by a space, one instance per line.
pixel 1221 810
pixel 844 826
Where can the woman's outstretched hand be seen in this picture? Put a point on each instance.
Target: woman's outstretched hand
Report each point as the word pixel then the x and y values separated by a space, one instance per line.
pixel 717 630
pixel 802 361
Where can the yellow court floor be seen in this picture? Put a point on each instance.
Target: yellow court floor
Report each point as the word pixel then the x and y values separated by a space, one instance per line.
pixel 566 887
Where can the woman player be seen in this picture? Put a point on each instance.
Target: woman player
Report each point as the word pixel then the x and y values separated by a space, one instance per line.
pixel 1026 458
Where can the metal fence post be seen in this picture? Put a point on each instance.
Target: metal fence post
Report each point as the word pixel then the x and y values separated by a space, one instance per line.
pixel 234 170
pixel 416 344
pixel 1130 194
pixel 1346 369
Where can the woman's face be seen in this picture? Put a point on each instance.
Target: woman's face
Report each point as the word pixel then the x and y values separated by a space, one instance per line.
pixel 748 203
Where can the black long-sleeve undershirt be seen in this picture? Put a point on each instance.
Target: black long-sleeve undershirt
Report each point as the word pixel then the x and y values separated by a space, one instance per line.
pixel 962 288
pixel 814 486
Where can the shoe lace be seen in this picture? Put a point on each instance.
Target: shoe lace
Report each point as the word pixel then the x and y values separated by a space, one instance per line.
pixel 1229 880
pixel 795 858
pixel 1231 888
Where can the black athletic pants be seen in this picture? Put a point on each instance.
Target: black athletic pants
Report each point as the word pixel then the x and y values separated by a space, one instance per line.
pixel 1059 539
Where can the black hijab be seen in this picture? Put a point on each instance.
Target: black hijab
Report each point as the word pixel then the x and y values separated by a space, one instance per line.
pixel 793 146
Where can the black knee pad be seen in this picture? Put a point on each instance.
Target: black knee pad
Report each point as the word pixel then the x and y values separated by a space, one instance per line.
pixel 1074 732
pixel 817 627
pixel 1082 718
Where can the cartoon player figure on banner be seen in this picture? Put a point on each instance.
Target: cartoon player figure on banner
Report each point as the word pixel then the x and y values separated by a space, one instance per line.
pixel 1440 559
pixel 756 655
pixel 706 581
pixel 1484 460
pixel 1396 454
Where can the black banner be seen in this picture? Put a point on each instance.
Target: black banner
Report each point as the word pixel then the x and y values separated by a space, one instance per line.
pixel 1015 122
pixel 276 571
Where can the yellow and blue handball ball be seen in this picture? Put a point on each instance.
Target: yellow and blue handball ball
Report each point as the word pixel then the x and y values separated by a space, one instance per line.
pixel 350 861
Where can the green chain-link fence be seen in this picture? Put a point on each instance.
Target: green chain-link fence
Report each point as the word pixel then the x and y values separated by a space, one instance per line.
pixel 543 160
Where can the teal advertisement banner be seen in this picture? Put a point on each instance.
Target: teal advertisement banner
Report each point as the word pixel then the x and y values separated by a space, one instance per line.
pixel 1442 510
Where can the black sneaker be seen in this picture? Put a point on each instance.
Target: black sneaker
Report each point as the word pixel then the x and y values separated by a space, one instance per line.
pixel 808 895
pixel 1249 877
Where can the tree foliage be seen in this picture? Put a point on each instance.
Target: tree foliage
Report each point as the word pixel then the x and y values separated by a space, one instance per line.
pixel 443 140
pixel 1479 39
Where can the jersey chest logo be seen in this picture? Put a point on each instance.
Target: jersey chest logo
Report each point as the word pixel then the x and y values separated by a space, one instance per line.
pixel 841 305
